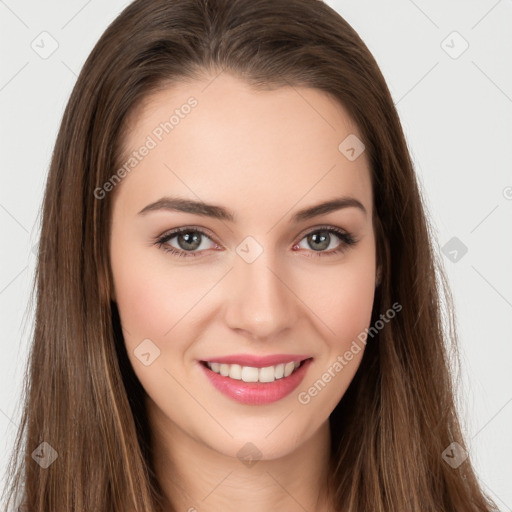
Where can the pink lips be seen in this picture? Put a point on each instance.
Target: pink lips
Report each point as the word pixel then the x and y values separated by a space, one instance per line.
pixel 257 393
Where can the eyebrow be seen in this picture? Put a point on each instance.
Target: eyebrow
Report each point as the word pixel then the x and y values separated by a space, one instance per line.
pixel 221 213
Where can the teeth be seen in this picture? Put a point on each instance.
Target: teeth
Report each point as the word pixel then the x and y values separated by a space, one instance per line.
pixel 251 374
pixel 288 369
pixel 235 371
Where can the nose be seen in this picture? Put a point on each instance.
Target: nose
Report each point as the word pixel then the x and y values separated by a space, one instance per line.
pixel 261 300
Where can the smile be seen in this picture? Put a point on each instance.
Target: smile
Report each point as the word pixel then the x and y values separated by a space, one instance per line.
pixel 252 374
pixel 255 385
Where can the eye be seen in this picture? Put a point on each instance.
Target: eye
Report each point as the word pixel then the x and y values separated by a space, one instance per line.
pixel 322 238
pixel 189 241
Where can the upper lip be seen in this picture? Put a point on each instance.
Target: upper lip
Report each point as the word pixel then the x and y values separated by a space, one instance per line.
pixel 257 361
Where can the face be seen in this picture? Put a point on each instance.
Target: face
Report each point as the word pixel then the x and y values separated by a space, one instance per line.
pixel 251 276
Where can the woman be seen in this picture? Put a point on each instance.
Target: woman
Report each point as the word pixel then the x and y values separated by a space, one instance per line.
pixel 237 305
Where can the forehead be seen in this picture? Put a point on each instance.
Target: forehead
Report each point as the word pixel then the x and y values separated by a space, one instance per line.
pixel 221 140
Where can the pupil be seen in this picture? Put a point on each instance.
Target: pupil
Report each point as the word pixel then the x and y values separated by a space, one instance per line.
pixel 191 240
pixel 322 239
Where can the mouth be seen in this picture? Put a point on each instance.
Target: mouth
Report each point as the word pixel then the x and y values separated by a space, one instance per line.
pixel 260 374
pixel 256 385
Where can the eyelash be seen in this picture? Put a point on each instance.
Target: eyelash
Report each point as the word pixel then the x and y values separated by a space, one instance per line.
pixel 347 240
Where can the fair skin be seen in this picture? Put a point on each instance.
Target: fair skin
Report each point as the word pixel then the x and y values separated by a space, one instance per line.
pixel 264 155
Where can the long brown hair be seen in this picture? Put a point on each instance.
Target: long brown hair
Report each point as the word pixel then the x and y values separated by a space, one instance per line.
pixel 398 416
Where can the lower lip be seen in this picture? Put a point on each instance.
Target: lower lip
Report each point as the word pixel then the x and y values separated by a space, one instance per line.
pixel 257 393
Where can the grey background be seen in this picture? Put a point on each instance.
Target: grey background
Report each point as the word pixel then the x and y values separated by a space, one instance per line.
pixel 456 111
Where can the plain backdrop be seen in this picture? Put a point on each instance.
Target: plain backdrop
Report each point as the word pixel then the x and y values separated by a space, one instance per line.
pixel 449 68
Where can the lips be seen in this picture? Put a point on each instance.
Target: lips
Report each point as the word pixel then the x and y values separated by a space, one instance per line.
pixel 256 393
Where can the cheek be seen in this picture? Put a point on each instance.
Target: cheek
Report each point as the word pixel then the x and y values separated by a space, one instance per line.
pixel 152 305
pixel 139 295
pixel 348 305
pixel 144 296
pixel 343 309
pixel 156 300
pixel 342 299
